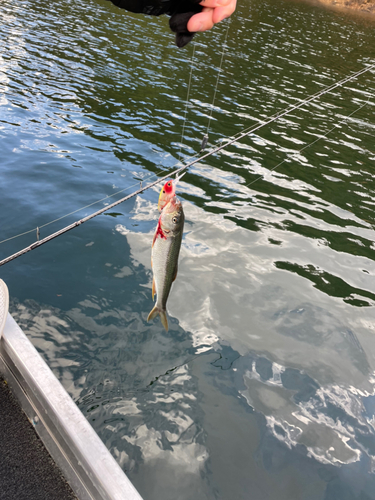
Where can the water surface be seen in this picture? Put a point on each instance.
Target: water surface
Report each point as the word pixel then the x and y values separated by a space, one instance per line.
pixel 264 386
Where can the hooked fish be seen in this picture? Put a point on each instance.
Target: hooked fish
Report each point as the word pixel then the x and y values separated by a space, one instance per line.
pixel 164 256
pixel 168 191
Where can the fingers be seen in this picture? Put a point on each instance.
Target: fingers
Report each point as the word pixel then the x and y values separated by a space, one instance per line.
pixel 212 4
pixel 201 21
pixel 221 13
pixel 213 12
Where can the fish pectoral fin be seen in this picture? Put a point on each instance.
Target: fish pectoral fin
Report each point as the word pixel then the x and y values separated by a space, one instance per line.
pixel 153 287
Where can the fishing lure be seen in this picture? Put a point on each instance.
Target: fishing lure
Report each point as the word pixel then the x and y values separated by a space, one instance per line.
pixel 168 191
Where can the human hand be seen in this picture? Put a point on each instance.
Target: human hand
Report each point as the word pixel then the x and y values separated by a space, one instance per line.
pixel 213 12
pixel 187 16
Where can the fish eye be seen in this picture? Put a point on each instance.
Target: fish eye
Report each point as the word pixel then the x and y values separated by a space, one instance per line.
pixel 164 191
pixel 175 220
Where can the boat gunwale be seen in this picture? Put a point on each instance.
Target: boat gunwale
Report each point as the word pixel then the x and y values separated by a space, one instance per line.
pixel 86 463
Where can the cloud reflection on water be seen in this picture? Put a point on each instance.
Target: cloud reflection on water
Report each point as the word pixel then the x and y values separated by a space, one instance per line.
pixel 292 368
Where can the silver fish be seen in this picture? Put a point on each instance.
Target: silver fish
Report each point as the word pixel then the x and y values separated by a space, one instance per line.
pixel 164 256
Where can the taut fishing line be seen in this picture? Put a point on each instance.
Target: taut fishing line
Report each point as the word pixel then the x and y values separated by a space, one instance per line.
pixel 228 142
pixel 38 228
pixel 205 137
pixel 187 97
pixel 305 147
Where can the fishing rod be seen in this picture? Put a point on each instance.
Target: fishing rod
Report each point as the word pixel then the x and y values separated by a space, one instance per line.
pixel 176 172
pixel 235 137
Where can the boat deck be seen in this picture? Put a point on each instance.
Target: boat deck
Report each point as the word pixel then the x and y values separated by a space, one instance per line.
pixel 27 472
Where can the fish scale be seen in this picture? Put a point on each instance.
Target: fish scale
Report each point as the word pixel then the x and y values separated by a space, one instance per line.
pixel 164 256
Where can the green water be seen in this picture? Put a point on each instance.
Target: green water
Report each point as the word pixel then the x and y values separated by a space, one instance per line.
pixel 264 386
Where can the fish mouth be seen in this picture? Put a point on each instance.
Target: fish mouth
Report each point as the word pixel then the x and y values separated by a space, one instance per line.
pixel 174 205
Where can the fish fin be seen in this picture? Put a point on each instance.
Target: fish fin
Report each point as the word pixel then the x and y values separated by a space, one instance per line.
pixel 153 313
pixel 163 316
pixel 153 287
pixel 175 273
pixel 164 319
pixel 159 232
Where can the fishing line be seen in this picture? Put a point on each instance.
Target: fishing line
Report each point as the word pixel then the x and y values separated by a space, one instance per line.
pixel 204 143
pixel 309 99
pixel 81 221
pixel 205 137
pixel 305 147
pixel 67 215
pixel 232 140
pixel 37 229
pixel 187 98
pixel 85 219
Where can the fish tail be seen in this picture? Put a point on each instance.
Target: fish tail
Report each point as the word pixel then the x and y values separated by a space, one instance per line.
pixel 163 316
